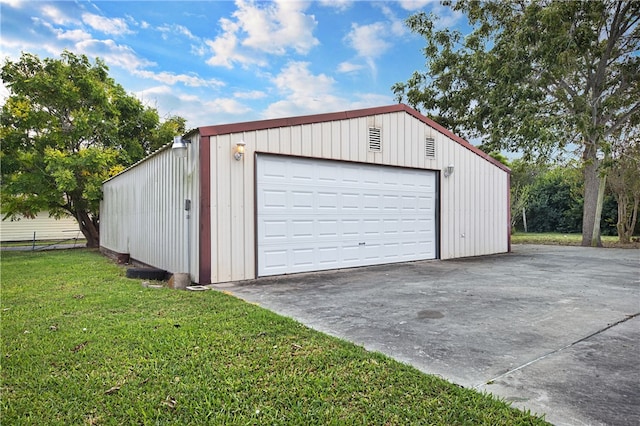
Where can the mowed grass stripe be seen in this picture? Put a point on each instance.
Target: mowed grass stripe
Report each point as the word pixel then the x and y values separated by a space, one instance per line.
pixel 82 344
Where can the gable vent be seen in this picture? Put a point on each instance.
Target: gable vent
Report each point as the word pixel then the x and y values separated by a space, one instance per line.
pixel 375 139
pixel 430 148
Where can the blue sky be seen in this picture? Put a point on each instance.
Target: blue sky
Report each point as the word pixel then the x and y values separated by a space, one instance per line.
pixel 216 62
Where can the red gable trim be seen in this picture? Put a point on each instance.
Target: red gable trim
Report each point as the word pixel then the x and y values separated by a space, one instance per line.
pixel 249 126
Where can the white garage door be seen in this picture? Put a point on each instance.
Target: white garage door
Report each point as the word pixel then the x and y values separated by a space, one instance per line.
pixel 319 214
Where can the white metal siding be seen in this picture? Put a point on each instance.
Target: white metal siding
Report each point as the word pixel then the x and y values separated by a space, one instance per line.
pixel 143 209
pixel 43 226
pixel 318 214
pixel 143 212
pixel 473 200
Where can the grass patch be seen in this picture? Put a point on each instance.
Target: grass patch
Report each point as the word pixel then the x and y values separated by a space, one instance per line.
pixel 79 242
pixel 82 344
pixel 554 238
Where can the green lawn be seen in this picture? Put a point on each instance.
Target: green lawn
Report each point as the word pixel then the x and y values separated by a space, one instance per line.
pixel 82 344
pixel 557 239
pixel 80 242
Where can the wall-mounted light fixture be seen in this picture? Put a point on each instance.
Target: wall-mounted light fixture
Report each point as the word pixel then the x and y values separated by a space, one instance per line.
pixel 179 146
pixel 239 151
pixel 448 171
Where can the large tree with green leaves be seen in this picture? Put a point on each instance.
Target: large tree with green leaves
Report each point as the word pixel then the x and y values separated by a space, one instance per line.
pixel 538 77
pixel 66 127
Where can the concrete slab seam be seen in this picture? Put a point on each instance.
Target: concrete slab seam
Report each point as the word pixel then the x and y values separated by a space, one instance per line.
pixel 628 317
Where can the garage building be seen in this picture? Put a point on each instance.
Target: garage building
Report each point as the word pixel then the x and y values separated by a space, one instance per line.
pixel 338 190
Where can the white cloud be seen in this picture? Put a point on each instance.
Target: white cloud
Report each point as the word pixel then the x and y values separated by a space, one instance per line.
pixel 341 5
pixel 296 80
pixel 171 78
pixel 368 100
pixel 225 47
pixel 413 5
pixel 397 26
pixel 16 4
pixel 347 67
pixel 447 17
pixel 177 29
pixel 113 26
pixel 197 110
pixel 224 105
pixel 199 49
pixel 371 41
pixel 304 92
pixel 278 26
pixel 267 28
pixel 73 35
pixel 252 94
pixel 113 53
pixel 56 15
pixel 368 40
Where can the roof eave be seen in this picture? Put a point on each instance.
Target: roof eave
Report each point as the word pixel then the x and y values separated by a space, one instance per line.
pixel 224 129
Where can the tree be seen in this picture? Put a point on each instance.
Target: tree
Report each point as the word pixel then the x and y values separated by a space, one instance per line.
pixel 555 200
pixel 66 127
pixel 523 177
pixel 624 181
pixel 539 77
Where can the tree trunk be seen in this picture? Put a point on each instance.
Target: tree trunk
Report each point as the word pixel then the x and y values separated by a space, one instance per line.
pixel 591 189
pixel 621 226
pixel 626 219
pixel 634 217
pixel 596 241
pixel 89 228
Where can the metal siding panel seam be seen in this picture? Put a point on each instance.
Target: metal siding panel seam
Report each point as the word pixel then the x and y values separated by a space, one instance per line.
pixel 307 140
pixel 316 140
pixel 336 139
pixel 224 208
pixel 237 225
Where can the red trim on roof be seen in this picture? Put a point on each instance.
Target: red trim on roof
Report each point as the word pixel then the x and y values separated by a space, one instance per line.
pixel 249 126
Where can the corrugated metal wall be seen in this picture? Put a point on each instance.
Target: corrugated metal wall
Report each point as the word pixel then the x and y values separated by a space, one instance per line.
pixel 44 227
pixel 143 212
pixel 474 210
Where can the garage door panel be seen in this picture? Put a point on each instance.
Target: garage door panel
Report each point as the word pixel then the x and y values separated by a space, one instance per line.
pixel 350 201
pixel 371 202
pixel 274 230
pixel 327 228
pixel 302 200
pixel 372 227
pixel 350 227
pixel 329 255
pixel 324 214
pixel 297 173
pixel 271 171
pixel 302 256
pixel 327 202
pixel 302 229
pixel 390 203
pixel 274 261
pixel 274 199
pixel 349 175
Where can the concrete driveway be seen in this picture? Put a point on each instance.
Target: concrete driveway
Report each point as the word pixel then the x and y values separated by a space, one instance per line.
pixel 552 329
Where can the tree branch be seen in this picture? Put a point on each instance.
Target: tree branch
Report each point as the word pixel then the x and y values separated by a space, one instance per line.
pixel 621 120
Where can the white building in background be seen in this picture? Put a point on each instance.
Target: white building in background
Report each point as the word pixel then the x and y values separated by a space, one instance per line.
pixel 42 227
